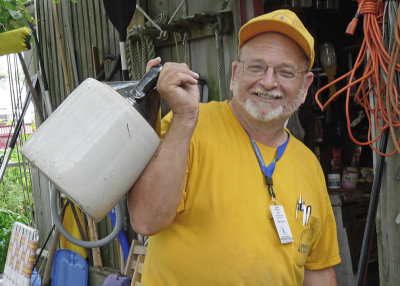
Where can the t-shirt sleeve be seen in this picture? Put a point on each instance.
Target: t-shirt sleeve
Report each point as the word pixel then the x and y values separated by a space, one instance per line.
pixel 165 122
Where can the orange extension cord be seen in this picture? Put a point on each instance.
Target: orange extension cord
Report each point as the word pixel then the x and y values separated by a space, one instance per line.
pixel 386 96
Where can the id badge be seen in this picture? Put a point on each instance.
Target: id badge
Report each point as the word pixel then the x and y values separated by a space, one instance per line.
pixel 281 224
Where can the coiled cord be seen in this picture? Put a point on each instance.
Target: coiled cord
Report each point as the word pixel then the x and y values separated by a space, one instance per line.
pixel 377 90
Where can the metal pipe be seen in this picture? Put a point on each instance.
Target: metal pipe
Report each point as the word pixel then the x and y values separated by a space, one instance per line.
pixel 373 204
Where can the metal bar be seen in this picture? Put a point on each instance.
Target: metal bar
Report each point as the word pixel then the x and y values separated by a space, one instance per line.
pixel 373 204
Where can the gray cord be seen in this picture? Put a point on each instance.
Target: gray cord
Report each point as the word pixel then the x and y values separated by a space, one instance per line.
pixel 82 243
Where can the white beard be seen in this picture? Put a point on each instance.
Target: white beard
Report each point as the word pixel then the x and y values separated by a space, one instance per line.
pixel 280 112
pixel 283 111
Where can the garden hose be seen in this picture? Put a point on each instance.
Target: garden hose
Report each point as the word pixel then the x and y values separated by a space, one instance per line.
pixel 82 243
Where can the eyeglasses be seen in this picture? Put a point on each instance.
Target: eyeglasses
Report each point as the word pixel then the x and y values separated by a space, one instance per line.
pixel 283 73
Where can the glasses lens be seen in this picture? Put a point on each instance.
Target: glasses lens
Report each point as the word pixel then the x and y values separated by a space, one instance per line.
pixel 255 67
pixel 285 73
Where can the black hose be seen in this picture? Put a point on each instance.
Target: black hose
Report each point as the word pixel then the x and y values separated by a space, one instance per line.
pixel 44 245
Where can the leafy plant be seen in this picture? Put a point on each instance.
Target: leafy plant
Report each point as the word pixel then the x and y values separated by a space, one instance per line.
pixel 13 14
pixel 12 204
pixel 7 220
pixel 11 190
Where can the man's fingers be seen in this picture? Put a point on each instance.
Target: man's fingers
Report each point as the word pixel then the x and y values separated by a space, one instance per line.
pixel 153 63
pixel 187 78
pixel 176 79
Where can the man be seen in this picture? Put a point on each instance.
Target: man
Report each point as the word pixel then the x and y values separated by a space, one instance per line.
pixel 216 214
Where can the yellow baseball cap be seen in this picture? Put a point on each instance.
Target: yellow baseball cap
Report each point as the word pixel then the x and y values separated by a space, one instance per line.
pixel 281 21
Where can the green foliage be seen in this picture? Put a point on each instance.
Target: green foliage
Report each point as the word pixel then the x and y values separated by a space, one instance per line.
pixel 13 14
pixel 7 220
pixel 11 190
pixel 11 204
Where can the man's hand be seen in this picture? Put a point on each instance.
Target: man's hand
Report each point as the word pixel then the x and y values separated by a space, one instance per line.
pixel 326 277
pixel 177 84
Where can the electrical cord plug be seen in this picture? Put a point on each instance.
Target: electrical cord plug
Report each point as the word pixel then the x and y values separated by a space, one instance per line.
pixel 351 28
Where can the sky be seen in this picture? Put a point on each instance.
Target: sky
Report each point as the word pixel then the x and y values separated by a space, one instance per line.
pixel 5 93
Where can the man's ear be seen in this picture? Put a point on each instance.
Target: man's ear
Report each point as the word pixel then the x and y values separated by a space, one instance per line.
pixel 234 75
pixel 308 81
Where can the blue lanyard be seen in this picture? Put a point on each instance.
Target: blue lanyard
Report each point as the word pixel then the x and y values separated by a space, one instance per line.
pixel 269 170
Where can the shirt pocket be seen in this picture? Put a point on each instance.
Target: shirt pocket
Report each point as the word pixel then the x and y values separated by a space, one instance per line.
pixel 304 237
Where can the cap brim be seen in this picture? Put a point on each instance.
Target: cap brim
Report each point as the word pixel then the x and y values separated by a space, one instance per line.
pixel 252 29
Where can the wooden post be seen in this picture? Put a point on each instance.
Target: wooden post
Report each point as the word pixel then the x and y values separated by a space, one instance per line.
pixel 95 251
pixel 61 47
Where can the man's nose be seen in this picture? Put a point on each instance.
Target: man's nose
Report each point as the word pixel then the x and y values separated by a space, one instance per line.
pixel 269 80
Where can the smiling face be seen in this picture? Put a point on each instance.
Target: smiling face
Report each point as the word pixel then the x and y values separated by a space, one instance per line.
pixel 268 97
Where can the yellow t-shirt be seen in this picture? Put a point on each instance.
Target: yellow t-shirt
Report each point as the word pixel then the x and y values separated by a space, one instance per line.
pixel 223 233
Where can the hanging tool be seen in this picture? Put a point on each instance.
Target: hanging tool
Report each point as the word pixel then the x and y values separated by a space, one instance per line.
pixel 120 13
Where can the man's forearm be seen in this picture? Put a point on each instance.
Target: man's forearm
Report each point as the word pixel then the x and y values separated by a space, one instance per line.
pixel 155 197
pixel 326 277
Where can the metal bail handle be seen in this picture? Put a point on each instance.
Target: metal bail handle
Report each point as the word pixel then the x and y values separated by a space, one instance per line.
pixel 146 84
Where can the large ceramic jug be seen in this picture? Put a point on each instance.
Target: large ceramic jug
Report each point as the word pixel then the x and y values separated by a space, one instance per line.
pixel 94 146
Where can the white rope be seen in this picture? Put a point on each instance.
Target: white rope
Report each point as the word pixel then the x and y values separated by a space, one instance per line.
pixel 140 49
pixel 220 60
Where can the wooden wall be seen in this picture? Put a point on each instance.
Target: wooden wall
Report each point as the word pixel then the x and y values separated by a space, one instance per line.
pixel 388 220
pixel 82 25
